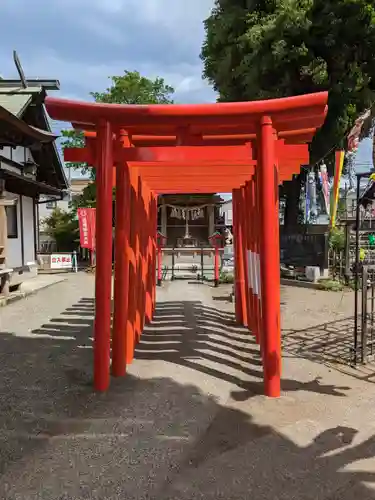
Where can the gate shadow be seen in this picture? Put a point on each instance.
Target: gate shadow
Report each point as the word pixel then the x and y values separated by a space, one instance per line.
pixel 208 340
pixel 48 407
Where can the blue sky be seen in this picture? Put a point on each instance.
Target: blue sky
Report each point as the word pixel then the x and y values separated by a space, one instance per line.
pixel 82 42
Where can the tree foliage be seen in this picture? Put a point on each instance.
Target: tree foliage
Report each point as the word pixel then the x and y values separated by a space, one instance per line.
pixel 132 88
pixel 257 49
pixel 129 88
pixel 62 226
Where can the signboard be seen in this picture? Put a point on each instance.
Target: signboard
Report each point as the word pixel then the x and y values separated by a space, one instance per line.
pixel 301 250
pixel 87 227
pixel 61 261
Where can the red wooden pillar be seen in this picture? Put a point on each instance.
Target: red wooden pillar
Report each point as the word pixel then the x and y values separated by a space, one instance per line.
pixel 145 203
pixel 160 241
pixel 137 285
pixel 269 259
pixel 242 255
pixel 148 300
pixel 244 229
pixel 159 264
pixel 237 288
pixel 240 301
pixel 130 335
pixel 121 282
pixel 249 252
pixel 154 232
pixel 256 258
pixel 103 278
pixel 252 256
pixel 217 265
pixel 141 259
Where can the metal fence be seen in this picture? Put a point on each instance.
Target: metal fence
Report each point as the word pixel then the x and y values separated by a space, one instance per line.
pixel 196 263
pixel 364 335
pixel 337 264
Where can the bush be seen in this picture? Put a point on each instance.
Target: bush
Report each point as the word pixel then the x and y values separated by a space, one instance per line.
pixel 337 239
pixel 330 285
pixel 226 278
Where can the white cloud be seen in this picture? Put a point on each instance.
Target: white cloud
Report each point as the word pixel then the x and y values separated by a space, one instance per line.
pixel 185 78
pixel 82 42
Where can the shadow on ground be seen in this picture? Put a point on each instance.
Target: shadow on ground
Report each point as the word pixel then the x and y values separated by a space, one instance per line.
pixel 145 438
pixel 329 343
pixel 208 340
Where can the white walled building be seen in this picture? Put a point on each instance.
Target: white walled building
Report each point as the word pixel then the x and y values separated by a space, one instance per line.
pixel 30 168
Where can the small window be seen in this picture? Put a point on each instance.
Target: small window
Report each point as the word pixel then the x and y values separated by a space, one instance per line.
pixel 50 205
pixel 12 222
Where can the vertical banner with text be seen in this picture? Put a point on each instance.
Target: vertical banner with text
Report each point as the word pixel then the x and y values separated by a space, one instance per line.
pixel 87 227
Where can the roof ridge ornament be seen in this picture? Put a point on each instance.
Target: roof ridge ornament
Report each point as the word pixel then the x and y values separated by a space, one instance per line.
pixel 21 74
pixel 23 84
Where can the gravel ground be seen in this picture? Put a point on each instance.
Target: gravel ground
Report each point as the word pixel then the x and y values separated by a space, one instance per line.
pixel 189 420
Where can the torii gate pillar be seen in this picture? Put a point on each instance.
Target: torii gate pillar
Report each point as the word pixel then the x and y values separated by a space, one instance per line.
pixel 269 258
pixel 103 278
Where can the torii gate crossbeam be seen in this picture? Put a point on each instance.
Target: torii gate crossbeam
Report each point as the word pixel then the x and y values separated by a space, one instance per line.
pixel 247 148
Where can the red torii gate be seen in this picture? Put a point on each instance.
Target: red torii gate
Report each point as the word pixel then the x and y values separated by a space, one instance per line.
pixel 247 148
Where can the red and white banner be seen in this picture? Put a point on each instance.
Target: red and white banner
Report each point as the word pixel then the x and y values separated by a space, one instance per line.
pixel 87 227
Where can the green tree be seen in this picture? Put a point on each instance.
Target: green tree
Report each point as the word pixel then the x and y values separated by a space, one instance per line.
pixel 256 49
pixel 62 226
pixel 74 139
pixel 132 88
pixel 129 88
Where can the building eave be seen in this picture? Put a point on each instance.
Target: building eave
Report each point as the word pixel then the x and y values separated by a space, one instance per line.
pixel 30 135
pixel 26 186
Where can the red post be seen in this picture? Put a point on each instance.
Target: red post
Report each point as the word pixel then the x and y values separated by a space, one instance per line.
pixel 240 306
pixel 249 261
pixel 146 296
pixel 140 262
pixel 143 260
pixel 149 280
pixel 154 242
pixel 121 284
pixel 132 303
pixel 160 258
pixel 256 261
pixel 252 259
pixel 270 259
pixel 103 279
pixel 244 231
pixel 217 274
pixel 237 290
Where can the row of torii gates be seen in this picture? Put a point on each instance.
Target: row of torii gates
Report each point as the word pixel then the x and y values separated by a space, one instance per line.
pixel 246 148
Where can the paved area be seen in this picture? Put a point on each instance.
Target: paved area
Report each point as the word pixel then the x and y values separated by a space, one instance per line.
pixel 189 420
pixel 32 286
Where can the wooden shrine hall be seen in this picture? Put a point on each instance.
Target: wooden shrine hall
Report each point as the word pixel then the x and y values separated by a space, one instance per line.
pixel 247 148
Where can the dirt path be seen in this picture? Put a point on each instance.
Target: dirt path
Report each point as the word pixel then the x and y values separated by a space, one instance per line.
pixel 189 420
